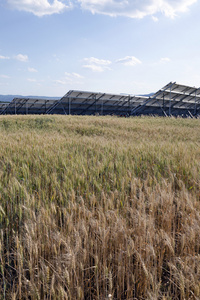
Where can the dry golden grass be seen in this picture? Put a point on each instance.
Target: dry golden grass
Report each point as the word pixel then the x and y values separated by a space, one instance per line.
pixel 99 208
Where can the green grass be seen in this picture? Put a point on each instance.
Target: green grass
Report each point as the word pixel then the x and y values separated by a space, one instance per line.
pixel 98 206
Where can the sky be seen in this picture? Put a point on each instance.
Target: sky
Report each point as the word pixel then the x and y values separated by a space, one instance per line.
pixel 48 47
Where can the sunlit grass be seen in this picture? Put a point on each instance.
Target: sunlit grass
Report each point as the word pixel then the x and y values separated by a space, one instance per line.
pixel 98 206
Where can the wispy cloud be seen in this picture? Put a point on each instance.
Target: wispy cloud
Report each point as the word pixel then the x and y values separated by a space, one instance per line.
pixel 60 81
pixel 135 8
pixel 128 8
pixel 95 68
pixel 97 61
pixel 40 7
pixel 56 57
pixel 155 19
pixel 4 57
pixel 129 61
pixel 73 75
pixel 4 76
pixel 96 64
pixel 70 78
pixel 165 59
pixel 31 79
pixel 4 84
pixel 32 70
pixel 22 57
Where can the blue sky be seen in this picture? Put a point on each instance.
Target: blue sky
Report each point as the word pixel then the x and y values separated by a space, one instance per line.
pixel 115 46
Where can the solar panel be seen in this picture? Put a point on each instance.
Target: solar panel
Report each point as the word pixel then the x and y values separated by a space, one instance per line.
pixel 172 99
pixel 84 102
pixel 3 105
pixel 28 106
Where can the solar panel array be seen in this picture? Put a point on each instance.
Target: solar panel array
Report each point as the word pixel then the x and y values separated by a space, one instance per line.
pixel 173 99
pixel 27 106
pixel 89 103
pixel 3 105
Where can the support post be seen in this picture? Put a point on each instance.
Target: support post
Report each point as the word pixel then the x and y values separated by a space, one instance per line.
pixel 102 107
pixel 129 104
pixel 69 102
pixel 26 108
pixel 170 101
pixel 95 104
pixel 163 102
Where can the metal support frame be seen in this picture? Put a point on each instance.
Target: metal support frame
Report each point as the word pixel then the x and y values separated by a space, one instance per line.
pixel 33 104
pixel 123 103
pixel 63 108
pixel 96 100
pixel 16 108
pixel 183 98
pixel 170 101
pixel 141 106
pixel 173 99
pixel 85 101
pixel 120 103
pixel 56 103
pixel 191 115
pixel 129 104
pixel 163 107
pixel 3 106
pixel 102 107
pixel 69 105
pixel 195 106
pixel 26 108
pixel 95 104
pixel 113 105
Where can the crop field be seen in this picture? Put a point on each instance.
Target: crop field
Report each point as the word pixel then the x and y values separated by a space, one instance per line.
pixel 99 208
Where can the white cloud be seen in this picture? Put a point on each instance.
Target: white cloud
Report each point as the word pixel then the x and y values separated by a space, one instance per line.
pixel 4 57
pixel 165 60
pixel 95 68
pixel 96 64
pixel 135 8
pixel 22 57
pixel 63 82
pixel 73 75
pixel 128 8
pixel 31 79
pixel 32 70
pixel 56 57
pixel 155 19
pixel 5 76
pixel 4 84
pixel 129 61
pixel 70 78
pixel 39 7
pixel 93 60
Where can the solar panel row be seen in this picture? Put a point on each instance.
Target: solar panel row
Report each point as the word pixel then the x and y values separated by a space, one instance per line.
pixel 172 99
pixel 81 103
pixel 26 106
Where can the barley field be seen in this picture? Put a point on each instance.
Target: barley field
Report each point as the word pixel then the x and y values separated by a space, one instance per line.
pixel 99 208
